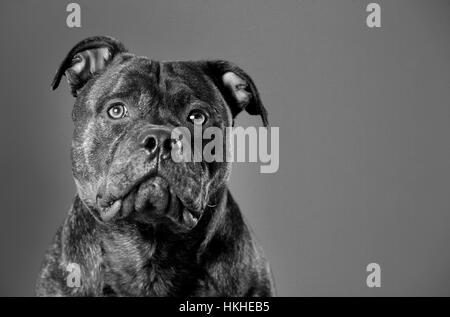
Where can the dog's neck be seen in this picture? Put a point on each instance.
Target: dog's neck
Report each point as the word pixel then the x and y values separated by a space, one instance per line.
pixel 151 260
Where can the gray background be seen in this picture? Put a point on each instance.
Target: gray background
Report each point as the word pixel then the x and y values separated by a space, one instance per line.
pixel 364 121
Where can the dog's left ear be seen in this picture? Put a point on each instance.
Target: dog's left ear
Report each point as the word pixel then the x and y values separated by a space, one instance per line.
pixel 237 87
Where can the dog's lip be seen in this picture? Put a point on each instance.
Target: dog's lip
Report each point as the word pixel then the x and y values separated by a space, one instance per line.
pixel 111 206
pixel 109 201
pixel 195 213
pixel 107 213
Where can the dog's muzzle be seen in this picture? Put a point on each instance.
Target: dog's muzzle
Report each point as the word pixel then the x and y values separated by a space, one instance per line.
pixel 148 195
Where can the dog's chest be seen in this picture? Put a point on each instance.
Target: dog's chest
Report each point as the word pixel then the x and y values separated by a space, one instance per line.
pixel 134 266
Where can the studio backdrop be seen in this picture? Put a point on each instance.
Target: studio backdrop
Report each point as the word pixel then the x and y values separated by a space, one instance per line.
pixel 363 111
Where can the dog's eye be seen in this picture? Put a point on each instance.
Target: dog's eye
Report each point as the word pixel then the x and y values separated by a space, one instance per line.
pixel 117 111
pixel 197 117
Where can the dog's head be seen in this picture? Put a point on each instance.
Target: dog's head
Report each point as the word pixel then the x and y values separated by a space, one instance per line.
pixel 125 111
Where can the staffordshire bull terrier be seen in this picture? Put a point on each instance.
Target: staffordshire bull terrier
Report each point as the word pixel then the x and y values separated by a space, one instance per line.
pixel 140 223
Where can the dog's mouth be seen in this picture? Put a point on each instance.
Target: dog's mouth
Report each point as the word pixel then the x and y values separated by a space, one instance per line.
pixel 150 198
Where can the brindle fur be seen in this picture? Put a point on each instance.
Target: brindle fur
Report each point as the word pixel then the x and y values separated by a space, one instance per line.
pixel 148 255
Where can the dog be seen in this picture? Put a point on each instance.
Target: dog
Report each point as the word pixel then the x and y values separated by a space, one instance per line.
pixel 140 223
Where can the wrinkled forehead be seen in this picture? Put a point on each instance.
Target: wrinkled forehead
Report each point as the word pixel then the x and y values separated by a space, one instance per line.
pixel 140 78
pixel 128 77
pixel 179 77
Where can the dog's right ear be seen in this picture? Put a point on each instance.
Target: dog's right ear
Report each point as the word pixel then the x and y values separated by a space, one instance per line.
pixel 85 59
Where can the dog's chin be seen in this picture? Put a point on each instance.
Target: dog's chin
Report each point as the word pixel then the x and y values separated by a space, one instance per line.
pixel 151 200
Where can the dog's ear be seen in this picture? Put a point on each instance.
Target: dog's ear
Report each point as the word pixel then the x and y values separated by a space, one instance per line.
pixel 237 87
pixel 85 59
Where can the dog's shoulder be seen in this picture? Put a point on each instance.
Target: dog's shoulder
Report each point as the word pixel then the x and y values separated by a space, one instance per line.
pixel 50 276
pixel 73 250
pixel 234 259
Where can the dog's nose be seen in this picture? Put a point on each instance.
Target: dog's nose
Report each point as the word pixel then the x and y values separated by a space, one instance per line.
pixel 150 143
pixel 157 139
